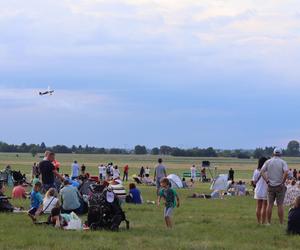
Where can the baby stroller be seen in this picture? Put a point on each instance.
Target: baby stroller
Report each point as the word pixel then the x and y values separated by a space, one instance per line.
pixel 18 177
pixel 105 212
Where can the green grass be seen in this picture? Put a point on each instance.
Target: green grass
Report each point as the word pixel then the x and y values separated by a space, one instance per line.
pixel 199 224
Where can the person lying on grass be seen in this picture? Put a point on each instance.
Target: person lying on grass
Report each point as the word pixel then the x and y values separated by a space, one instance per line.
pixel 170 198
pixel 36 202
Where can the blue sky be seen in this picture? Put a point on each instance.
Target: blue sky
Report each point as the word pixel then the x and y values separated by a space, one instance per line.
pixel 182 73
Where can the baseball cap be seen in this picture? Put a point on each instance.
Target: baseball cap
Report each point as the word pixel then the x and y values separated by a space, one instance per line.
pixel 277 151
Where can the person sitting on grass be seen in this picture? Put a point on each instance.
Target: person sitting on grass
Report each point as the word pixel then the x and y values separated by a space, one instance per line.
pixel 134 195
pixel 57 219
pixel 19 191
pixel 36 202
pixel 294 218
pixel 70 198
pixel 170 198
pixel 50 201
pixel 5 205
pixel 241 189
pixel 291 194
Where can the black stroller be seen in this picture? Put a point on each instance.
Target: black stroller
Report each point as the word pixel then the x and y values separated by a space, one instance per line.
pixel 105 212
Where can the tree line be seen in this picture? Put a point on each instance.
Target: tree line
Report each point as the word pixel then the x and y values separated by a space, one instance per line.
pixel 293 149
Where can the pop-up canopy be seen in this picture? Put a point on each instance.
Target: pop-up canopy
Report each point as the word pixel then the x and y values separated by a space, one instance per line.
pixel 175 181
pixel 220 183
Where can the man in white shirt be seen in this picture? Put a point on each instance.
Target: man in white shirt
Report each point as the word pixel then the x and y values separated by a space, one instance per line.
pixel 75 170
pixel 193 172
pixel 116 173
pixel 102 172
pixel 277 170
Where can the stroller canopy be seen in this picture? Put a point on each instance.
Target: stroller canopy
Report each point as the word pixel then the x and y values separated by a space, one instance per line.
pixel 175 181
pixel 220 183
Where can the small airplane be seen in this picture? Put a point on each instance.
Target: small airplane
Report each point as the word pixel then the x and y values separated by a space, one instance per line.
pixel 47 92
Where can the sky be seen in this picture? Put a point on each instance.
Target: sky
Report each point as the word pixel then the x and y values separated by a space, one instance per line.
pixel 220 73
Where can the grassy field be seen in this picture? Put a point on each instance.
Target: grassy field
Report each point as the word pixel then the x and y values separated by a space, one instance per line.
pixel 199 224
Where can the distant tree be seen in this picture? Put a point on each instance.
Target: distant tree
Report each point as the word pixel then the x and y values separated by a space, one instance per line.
pixel 258 153
pixel 293 148
pixel 74 149
pixel 140 150
pixel 165 150
pixel 33 151
pixel 243 155
pixel 155 151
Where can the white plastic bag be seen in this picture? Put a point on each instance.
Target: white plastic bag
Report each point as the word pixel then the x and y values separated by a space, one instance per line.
pixel 74 223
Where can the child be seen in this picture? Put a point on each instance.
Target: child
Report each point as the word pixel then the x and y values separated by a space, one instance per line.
pixel 294 218
pixel 36 201
pixel 57 219
pixel 169 195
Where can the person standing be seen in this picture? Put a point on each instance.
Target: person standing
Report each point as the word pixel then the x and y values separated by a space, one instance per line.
pixel 295 174
pixel 35 171
pixel 193 173
pixel 277 173
pixel 125 174
pixel 75 170
pixel 159 173
pixel 48 172
pixel 142 172
pixel 116 173
pixel 101 174
pixel 231 175
pixel 170 199
pixel 260 193
pixel 83 169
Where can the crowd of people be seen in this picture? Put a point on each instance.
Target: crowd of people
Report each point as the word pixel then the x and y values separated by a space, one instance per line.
pixel 60 195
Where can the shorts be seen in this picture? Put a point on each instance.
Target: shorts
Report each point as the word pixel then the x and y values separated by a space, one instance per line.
pixel 168 212
pixel 276 193
pixel 32 211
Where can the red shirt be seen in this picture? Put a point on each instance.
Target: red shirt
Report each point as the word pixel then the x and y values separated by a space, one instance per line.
pixel 126 169
pixel 19 192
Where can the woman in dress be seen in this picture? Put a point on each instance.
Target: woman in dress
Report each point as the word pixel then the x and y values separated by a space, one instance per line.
pixel 261 192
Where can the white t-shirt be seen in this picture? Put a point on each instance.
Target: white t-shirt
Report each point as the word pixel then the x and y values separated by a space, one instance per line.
pixel 147 171
pixel 261 189
pixel 275 167
pixel 102 170
pixel 75 170
pixel 49 206
pixel 193 172
pixel 116 173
